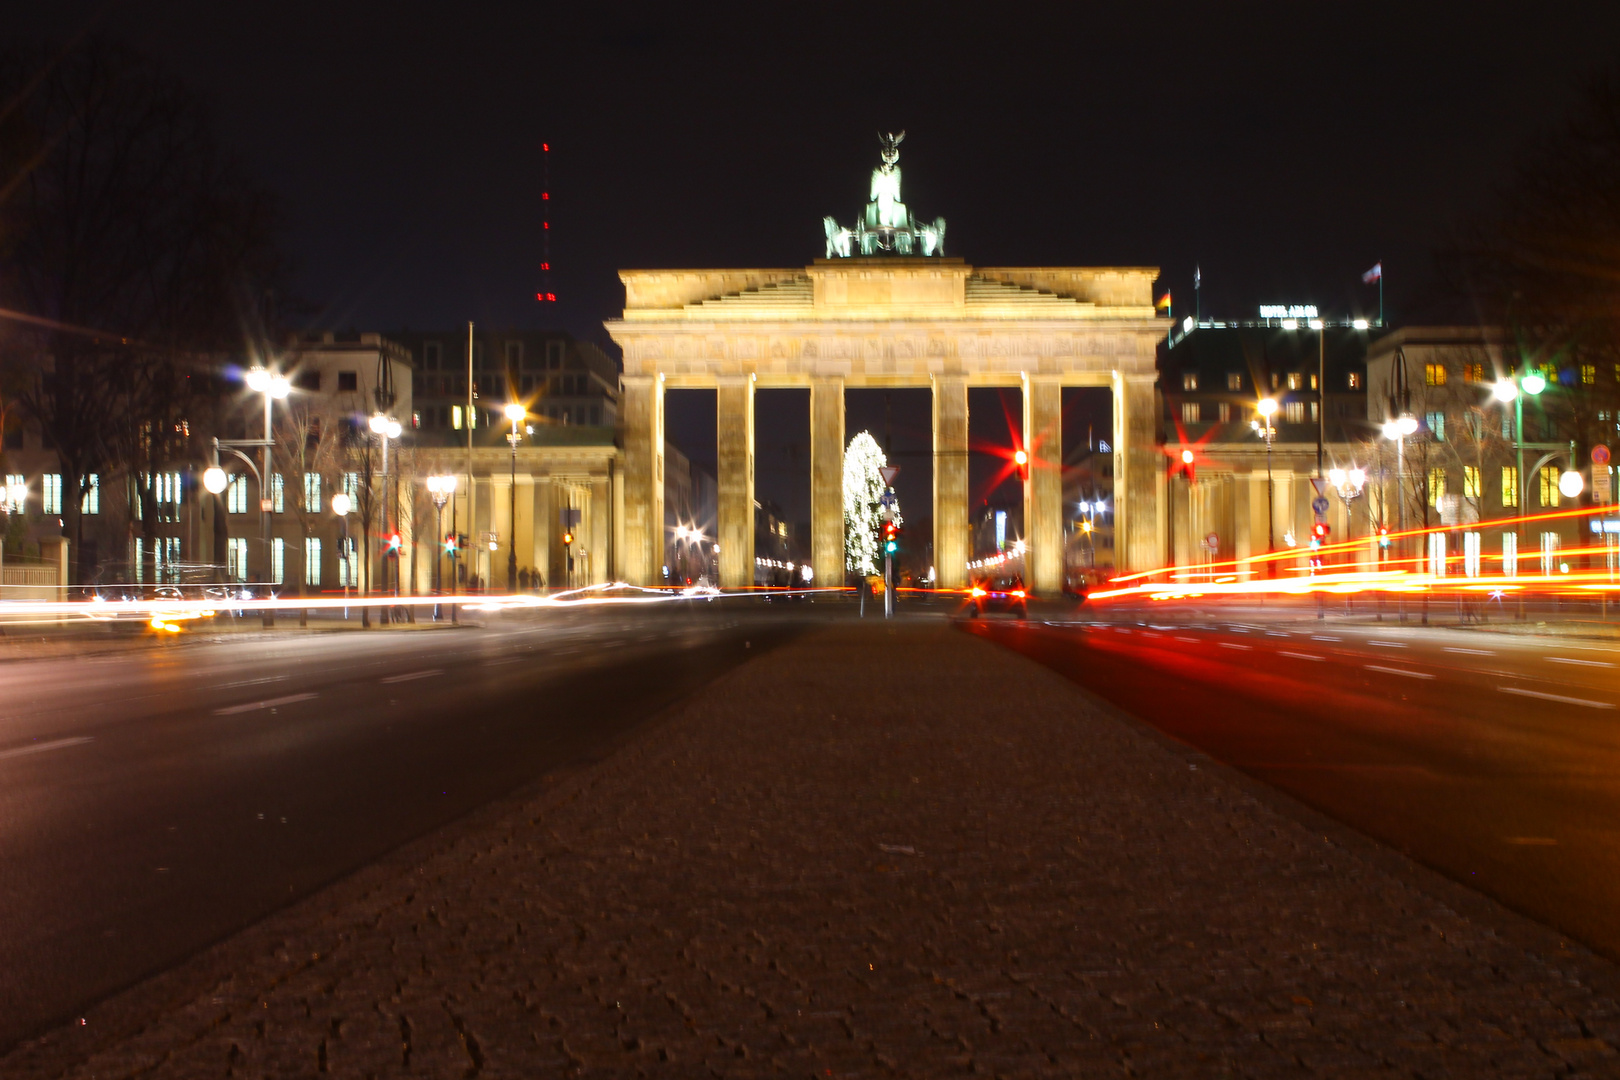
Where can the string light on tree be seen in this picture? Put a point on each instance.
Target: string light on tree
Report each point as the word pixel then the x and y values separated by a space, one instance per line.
pixel 863 495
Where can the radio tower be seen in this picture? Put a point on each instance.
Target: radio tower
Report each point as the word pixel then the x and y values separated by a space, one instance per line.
pixel 545 295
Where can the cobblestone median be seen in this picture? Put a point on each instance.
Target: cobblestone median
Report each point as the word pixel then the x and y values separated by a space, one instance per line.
pixel 880 851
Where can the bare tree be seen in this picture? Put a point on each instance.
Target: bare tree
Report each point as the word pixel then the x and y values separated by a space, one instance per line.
pixel 308 451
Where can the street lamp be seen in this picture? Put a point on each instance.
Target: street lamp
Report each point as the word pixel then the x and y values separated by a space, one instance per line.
pixel 440 488
pixel 515 412
pixel 1267 408
pixel 1397 430
pixel 341 505
pixel 385 427
pixel 1506 390
pixel 1349 484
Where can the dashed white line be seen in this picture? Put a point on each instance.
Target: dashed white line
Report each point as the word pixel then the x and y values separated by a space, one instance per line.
pixel 254 706
pixel 1299 655
pixel 1583 663
pixel 1555 697
pixel 1398 671
pixel 1184 637
pixel 42 747
pixel 1235 645
pixel 253 682
pixel 1387 644
pixel 1470 652
pixel 412 675
pixel 1325 637
pixel 1278 633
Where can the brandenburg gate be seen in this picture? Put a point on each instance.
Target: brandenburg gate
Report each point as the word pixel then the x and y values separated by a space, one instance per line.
pixel 887 308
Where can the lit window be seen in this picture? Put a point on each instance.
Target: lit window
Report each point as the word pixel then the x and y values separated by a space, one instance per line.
pixel 1294 412
pixel 1354 380
pixel 1434 374
pixel 1313 382
pixel 278 560
pixel 1588 374
pixel 1189 381
pixel 1226 411
pixel 312 495
pixel 1470 482
pixel 1314 412
pixel 1189 412
pixel 1436 423
pixel 455 417
pixel 1474 372
pixel 1234 381
pixel 236 554
pixel 312 560
pixel 1510 487
pixel 50 493
pixel 348 564
pixel 1295 380
pixel 278 495
pixel 1549 553
pixel 236 495
pixel 1437 485
pixel 1549 485
pixel 91 502
pixel 18 495
pixel 351 487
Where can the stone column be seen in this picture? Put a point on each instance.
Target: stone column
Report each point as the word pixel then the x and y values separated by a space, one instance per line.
pixel 1043 491
pixel 642 408
pixel 827 480
pixel 596 518
pixel 734 424
pixel 1138 543
pixel 545 523
pixel 950 481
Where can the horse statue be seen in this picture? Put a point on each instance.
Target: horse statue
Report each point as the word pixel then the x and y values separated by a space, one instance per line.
pixel 838 238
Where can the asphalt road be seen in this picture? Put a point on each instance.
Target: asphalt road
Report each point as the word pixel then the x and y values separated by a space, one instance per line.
pixel 153 802
pixel 1491 757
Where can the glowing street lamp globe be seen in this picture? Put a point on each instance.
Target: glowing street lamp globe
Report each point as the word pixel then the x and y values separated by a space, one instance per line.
pixel 258 379
pixel 215 480
pixel 1505 390
pixel 1570 484
pixel 515 412
pixel 341 504
pixel 1266 407
pixel 379 423
pixel 1533 384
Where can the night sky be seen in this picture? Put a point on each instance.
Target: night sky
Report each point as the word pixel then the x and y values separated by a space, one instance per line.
pixel 1284 148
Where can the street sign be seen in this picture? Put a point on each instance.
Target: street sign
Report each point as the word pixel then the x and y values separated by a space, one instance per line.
pixel 888 472
pixel 1600 455
pixel 886 499
pixel 1319 505
pixel 1212 541
pixel 1320 485
pixel 265 505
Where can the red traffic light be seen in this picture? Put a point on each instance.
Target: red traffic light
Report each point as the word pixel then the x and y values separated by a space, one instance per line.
pixel 568 538
pixel 1320 530
pixel 393 542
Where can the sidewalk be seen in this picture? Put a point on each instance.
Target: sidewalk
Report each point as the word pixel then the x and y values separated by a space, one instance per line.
pixel 883 850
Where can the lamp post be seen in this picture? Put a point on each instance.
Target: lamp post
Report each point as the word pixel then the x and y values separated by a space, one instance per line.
pixel 1398 429
pixel 274 386
pixel 1349 484
pixel 1514 389
pixel 385 427
pixel 515 412
pixel 1267 408
pixel 341 505
pixel 440 488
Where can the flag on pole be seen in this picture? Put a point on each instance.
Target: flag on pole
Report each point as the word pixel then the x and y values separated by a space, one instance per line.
pixel 1164 301
pixel 1198 277
pixel 1375 274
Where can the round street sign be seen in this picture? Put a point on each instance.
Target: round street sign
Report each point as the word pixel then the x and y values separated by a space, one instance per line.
pixel 1212 541
pixel 1319 505
pixel 1600 455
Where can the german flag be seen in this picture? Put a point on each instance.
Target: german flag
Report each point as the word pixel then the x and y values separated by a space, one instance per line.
pixel 1164 301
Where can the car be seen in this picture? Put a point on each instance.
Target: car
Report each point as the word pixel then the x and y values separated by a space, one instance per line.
pixel 998 594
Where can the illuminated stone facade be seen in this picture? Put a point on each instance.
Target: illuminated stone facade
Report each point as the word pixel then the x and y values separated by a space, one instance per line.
pixel 934 322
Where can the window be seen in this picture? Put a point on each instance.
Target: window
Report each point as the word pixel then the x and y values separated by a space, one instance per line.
pixel 1225 408
pixel 278 494
pixel 1510 487
pixel 1276 380
pixel 1189 381
pixel 348 564
pixel 236 494
pixel 91 502
pixel 554 354
pixel 1295 380
pixel 165 559
pixel 1189 412
pixel 1434 374
pixel 1354 380
pixel 236 567
pixel 455 417
pixel 1475 423
pixel 312 496
pixel 1549 553
pixel 1588 374
pixel 1234 380
pixel 50 488
pixel 312 560
pixel 1471 554
pixel 1470 482
pixel 348 380
pixel 1549 485
pixel 1510 554
pixel 1437 485
pixel 514 355
pixel 1437 554
pixel 278 561
pixel 1436 423
pixel 167 493
pixel 596 414
pixel 351 487
pixel 1474 372
pixel 17 497
pixel 1507 426
pixel 1313 382
pixel 1314 412
pixel 308 380
pixel 432 355
pixel 1294 412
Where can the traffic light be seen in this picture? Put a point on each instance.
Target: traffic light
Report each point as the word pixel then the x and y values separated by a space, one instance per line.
pixel 568 538
pixel 1186 466
pixel 393 543
pixel 1319 531
pixel 1383 536
pixel 1021 459
pixel 451 545
pixel 890 543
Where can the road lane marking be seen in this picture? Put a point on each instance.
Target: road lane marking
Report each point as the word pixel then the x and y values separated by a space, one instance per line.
pixel 1299 655
pixel 1387 644
pixel 412 675
pixel 1555 697
pixel 1470 652
pixel 1278 633
pixel 253 682
pixel 1184 637
pixel 1583 663
pixel 1531 841
pixel 256 705
pixel 1325 637
pixel 1235 645
pixel 40 748
pixel 1398 671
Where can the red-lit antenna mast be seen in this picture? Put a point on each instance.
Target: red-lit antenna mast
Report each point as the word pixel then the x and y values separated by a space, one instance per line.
pixel 545 295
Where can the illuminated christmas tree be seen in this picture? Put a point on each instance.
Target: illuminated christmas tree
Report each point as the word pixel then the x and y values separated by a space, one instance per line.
pixel 863 517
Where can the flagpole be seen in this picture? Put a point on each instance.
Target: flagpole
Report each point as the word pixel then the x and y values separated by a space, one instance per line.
pixel 1380 294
